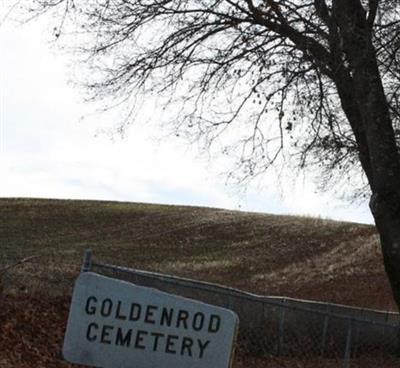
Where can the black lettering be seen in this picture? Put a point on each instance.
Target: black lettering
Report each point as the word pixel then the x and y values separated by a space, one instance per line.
pixel 106 307
pixel 166 317
pixel 198 321
pixel 134 314
pixel 90 309
pixel 89 333
pixel 150 314
pixel 202 347
pixel 214 324
pixel 156 337
pixel 171 344
pixel 105 333
pixel 139 339
pixel 187 344
pixel 121 339
pixel 182 318
pixel 118 314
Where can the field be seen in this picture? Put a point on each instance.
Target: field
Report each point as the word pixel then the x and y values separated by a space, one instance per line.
pixel 276 255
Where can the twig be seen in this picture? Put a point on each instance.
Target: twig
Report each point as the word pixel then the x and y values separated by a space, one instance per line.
pixel 21 261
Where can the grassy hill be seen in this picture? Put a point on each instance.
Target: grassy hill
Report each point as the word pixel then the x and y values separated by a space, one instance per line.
pixel 267 254
pixel 276 255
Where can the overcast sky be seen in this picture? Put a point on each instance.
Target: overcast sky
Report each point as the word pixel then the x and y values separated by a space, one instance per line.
pixel 48 151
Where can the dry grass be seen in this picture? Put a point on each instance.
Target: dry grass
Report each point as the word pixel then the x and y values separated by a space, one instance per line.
pixel 293 256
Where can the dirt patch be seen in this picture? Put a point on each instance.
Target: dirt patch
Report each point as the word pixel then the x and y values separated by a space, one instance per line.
pixel 32 331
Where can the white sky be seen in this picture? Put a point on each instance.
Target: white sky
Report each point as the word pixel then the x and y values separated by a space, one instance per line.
pixel 47 151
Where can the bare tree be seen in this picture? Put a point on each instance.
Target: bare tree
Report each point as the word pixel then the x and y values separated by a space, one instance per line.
pixel 314 80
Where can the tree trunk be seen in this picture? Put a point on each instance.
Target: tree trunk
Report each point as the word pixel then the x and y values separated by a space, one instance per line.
pixel 388 225
pixel 371 122
pixel 385 166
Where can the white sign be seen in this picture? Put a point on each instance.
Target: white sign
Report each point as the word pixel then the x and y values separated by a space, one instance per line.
pixel 113 323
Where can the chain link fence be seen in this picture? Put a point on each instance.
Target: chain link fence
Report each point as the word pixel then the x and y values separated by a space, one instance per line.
pixel 284 332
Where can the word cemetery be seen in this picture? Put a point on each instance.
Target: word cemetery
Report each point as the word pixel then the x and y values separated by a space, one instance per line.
pixel 152 315
pixel 113 323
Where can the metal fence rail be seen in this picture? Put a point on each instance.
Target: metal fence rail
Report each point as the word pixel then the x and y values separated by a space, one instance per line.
pixel 285 332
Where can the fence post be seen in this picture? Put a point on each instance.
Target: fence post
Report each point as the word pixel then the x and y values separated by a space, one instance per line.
pixel 87 261
pixel 324 333
pixel 281 329
pixel 397 346
pixel 347 353
pixel 231 303
pixel 356 340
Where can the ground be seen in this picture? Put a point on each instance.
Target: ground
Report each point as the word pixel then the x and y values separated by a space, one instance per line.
pixel 274 255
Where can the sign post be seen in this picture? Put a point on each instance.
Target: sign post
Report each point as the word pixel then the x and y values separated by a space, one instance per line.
pixel 113 323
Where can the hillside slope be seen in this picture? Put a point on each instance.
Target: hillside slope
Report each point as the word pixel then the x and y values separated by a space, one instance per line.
pixel 267 254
